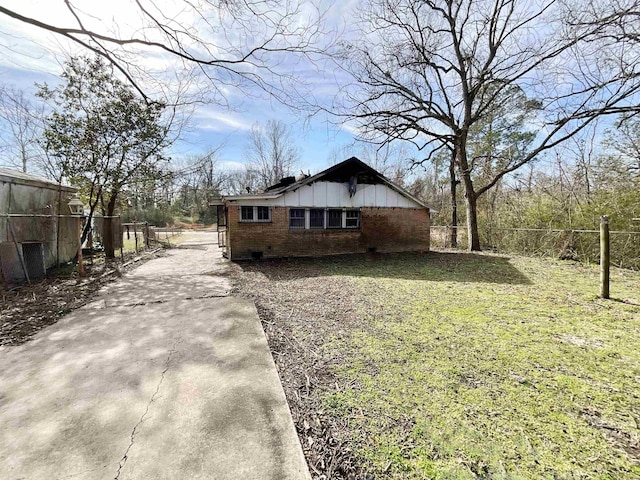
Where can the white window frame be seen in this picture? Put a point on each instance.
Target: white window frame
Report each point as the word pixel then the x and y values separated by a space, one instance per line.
pixel 343 220
pixel 255 214
pixel 303 218
pixel 359 217
pixel 324 219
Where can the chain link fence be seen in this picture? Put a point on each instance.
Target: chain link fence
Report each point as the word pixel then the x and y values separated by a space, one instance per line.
pixel 441 236
pixel 579 245
pixel 566 244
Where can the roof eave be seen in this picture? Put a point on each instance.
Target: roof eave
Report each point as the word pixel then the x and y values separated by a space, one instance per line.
pixel 232 198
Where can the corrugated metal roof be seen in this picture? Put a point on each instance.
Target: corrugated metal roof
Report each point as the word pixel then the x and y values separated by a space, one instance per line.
pixel 18 177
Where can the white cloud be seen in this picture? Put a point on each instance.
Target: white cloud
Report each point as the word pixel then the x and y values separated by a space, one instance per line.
pixel 351 128
pixel 230 165
pixel 30 52
pixel 217 121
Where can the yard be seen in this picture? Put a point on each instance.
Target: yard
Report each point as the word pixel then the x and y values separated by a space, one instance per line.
pixel 455 365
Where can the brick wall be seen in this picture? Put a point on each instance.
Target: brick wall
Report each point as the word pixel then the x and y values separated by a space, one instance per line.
pixel 385 229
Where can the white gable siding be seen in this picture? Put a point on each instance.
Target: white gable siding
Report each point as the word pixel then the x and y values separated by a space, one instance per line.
pixel 319 194
pixel 332 194
pixel 305 197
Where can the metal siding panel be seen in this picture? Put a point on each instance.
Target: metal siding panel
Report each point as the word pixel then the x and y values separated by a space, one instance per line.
pixel 292 199
pixel 345 199
pixel 334 194
pixel 10 264
pixel 320 194
pixel 393 198
pixel 306 196
pixel 357 200
pixel 369 196
pixel 382 196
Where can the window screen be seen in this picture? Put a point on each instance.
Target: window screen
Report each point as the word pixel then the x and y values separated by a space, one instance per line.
pixel 316 218
pixel 246 213
pixel 296 218
pixel 264 214
pixel 334 218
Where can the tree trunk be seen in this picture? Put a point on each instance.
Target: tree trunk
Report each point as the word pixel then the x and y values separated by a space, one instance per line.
pixel 454 201
pixel 472 222
pixel 88 222
pixel 109 231
pixel 471 200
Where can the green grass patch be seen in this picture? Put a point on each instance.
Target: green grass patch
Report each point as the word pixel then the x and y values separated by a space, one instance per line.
pixel 479 365
pixel 129 244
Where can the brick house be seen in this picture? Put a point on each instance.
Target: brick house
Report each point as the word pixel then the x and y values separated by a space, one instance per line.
pixel 348 208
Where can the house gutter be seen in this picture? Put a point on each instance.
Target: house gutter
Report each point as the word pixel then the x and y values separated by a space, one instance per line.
pixel 250 197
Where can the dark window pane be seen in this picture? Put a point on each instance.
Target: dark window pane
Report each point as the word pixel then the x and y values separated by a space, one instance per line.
pixel 334 219
pixel 353 219
pixel 296 218
pixel 246 213
pixel 316 218
pixel 263 213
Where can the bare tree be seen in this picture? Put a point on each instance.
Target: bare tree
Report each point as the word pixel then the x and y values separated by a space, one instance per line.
pixel 198 180
pixel 429 71
pixel 239 181
pixel 20 129
pixel 391 159
pixel 232 43
pixel 624 142
pixel 616 22
pixel 272 152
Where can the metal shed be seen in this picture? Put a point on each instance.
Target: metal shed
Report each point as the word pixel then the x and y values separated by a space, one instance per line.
pixel 36 230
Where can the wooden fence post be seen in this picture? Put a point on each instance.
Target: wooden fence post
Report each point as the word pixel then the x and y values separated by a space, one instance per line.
pixel 121 240
pixel 604 256
pixel 135 233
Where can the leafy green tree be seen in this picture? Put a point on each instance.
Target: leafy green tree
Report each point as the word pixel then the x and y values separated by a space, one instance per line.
pixel 103 135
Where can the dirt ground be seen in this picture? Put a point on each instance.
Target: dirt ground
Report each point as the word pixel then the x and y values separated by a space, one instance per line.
pixel 26 310
pixel 299 311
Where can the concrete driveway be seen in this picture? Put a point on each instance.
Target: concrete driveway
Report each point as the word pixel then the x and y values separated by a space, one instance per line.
pixel 163 376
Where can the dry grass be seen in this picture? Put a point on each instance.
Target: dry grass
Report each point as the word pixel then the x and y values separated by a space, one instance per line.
pixel 452 365
pixel 26 310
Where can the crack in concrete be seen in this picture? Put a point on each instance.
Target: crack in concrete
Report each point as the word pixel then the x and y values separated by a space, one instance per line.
pixel 140 304
pixel 215 295
pixel 125 457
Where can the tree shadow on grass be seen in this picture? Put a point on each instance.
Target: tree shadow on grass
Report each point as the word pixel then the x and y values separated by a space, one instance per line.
pixel 430 266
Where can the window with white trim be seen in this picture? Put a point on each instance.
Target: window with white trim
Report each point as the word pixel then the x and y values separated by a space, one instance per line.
pixel 334 218
pixel 255 214
pixel 316 218
pixel 352 219
pixel 323 218
pixel 264 214
pixel 246 214
pixel 296 218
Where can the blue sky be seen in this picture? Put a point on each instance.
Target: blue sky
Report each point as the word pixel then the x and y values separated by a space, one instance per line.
pixel 29 55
